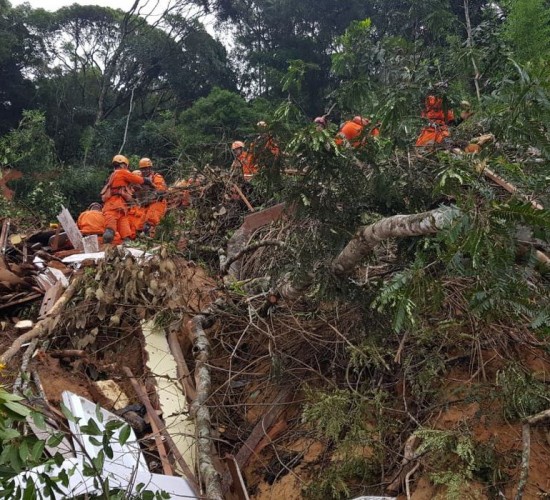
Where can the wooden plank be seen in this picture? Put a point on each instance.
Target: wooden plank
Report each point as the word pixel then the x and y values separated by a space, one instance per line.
pixel 163 455
pixel 262 427
pixel 50 298
pixel 237 485
pixel 90 243
pixel 259 219
pixel 243 197
pixel 70 227
pixel 55 244
pixel 184 376
pixel 144 398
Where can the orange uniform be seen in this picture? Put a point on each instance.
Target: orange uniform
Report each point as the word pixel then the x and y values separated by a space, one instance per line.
pixel 437 130
pixel 247 163
pixel 116 206
pixel 157 209
pixel 93 222
pixel 136 219
pixel 350 131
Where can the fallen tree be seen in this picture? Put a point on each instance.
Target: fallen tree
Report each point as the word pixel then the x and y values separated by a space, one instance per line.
pixel 397 226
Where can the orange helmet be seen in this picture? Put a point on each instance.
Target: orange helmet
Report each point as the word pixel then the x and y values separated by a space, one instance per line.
pixel 120 159
pixel 360 120
pixel 261 124
pixel 237 144
pixel 145 163
pixel 136 172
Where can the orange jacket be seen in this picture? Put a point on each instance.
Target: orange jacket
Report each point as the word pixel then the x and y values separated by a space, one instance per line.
pixel 349 131
pixel 435 112
pixel 91 222
pixel 158 181
pixel 266 144
pixel 248 165
pixel 437 130
pixel 122 178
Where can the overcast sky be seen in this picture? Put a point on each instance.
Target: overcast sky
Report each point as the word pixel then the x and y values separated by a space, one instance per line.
pixel 56 4
pixel 145 7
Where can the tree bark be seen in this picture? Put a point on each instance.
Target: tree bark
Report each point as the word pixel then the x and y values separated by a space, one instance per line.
pixel 397 226
pixel 200 410
pixel 470 45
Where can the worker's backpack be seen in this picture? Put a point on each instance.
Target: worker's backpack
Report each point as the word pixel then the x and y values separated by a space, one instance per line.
pixel 108 191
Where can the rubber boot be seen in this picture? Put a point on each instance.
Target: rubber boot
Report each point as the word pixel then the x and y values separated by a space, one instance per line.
pixel 108 236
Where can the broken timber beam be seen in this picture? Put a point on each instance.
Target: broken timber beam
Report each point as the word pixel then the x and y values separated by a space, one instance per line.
pixel 142 395
pixel 184 376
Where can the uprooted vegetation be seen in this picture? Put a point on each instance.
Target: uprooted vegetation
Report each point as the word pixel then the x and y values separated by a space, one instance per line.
pixel 410 373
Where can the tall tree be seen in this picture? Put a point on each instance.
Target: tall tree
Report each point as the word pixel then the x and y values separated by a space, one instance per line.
pixel 269 34
pixel 15 53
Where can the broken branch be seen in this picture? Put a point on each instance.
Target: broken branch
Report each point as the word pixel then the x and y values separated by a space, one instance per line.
pixel 142 395
pixel 397 226
pixel 43 326
pixel 224 268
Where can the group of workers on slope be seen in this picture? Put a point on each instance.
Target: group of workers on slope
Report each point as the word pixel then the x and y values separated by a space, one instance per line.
pixel 133 202
pixel 355 133
pixel 129 208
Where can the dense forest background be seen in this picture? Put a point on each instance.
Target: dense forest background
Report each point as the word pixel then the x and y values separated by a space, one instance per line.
pixel 84 83
pixel 80 84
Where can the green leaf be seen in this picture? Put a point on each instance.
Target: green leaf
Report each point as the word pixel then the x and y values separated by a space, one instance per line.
pixel 24 451
pixel 17 408
pixel 39 420
pixel 8 434
pixel 99 461
pixel 98 413
pixel 68 415
pixel 124 434
pixel 30 491
pixel 7 396
pixel 95 441
pixel 37 450
pixel 55 439
pixel 91 429
pixel 58 458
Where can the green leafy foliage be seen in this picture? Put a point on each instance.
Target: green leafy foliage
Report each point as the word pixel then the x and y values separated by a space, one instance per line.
pixel 521 394
pixel 527 28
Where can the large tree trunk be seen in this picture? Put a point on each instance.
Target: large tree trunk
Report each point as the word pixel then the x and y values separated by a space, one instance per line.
pixel 398 226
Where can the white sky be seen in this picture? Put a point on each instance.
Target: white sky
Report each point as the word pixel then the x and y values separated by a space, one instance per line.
pixel 146 7
pixel 56 4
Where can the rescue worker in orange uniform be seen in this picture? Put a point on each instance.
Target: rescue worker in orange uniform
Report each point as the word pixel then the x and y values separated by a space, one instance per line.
pixel 243 160
pixel 137 213
pixel 438 118
pixel 92 221
pixel 353 132
pixel 157 208
pixel 264 144
pixel 116 196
